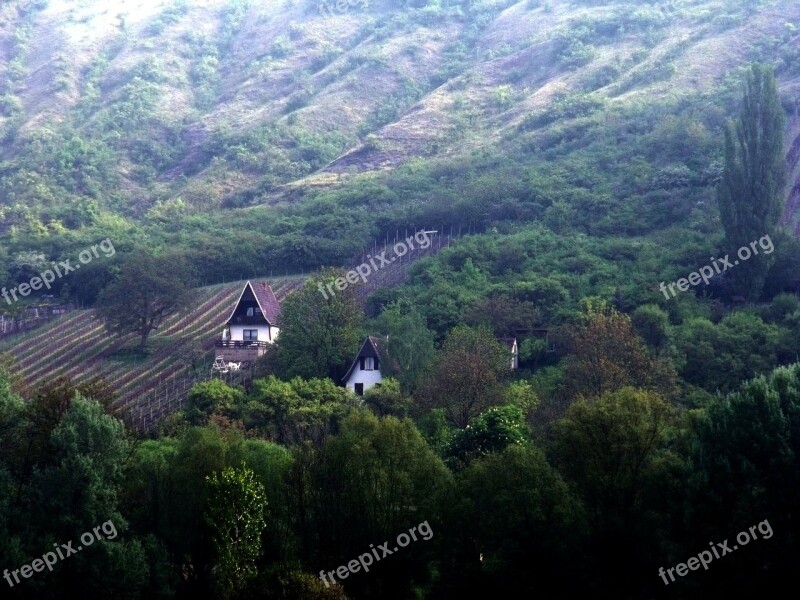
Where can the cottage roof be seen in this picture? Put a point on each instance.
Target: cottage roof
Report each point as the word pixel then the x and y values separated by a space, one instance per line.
pixel 508 342
pixel 267 302
pixel 372 346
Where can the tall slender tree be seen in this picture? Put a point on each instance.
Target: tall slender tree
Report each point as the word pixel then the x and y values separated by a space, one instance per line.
pixel 751 193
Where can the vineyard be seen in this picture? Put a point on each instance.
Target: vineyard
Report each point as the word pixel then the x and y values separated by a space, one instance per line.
pixel 147 387
pixel 180 354
pixel 398 271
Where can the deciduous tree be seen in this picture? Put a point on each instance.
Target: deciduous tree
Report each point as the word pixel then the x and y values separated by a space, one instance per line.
pixel 236 515
pixel 319 332
pixel 410 343
pixel 148 291
pixel 608 355
pixel 297 411
pixel 465 379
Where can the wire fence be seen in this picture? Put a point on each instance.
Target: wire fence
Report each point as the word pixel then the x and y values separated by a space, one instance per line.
pixel 32 317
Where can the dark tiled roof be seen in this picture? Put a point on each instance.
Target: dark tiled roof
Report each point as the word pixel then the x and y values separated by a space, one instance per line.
pixel 270 307
pixel 372 346
pixel 269 304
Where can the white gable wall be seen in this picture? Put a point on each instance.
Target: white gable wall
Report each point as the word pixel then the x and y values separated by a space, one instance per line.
pixel 368 378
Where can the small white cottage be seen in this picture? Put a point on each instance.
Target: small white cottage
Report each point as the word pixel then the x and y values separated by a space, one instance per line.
pixel 513 348
pixel 252 325
pixel 365 372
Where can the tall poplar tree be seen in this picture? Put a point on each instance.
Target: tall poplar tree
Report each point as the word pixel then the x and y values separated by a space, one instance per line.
pixel 751 193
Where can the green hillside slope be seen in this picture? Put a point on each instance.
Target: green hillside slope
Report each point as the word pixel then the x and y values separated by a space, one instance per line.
pixel 169 112
pixel 180 352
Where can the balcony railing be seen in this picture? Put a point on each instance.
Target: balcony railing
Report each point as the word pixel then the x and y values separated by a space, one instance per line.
pixel 240 344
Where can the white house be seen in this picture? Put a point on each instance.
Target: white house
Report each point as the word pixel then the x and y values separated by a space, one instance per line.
pixel 252 326
pixel 365 372
pixel 513 348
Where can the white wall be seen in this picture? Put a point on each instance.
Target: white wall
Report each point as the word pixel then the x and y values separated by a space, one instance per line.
pixel 368 378
pixel 237 332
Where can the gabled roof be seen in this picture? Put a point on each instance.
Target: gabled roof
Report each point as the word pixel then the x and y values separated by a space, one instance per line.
pixel 372 346
pixel 267 302
pixel 508 342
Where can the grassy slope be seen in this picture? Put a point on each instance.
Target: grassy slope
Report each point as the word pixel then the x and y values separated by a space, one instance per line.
pixel 378 88
pixel 78 346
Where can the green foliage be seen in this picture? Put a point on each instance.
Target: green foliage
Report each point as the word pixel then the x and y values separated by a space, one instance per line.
pixel 387 399
pixel 751 193
pixel 745 471
pixel 205 77
pixel 166 493
pixel 148 291
pixel 210 397
pixel 235 513
pixel 509 510
pixel 608 355
pixel 566 107
pixel 385 480
pixel 624 432
pixel 61 469
pixel 573 47
pixel 595 195
pixel 652 324
pixel 720 357
pixel 465 377
pixel 10 105
pixel 491 431
pixel 319 332
pixel 409 344
pixel 292 412
pixel 521 394
pixel 282 47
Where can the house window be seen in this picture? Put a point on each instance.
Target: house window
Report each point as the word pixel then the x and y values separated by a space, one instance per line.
pixel 367 363
pixel 250 335
pixel 253 311
pixel 359 389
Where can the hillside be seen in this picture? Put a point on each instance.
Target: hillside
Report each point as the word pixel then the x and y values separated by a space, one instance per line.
pixel 536 267
pixel 158 110
pixel 180 352
pixel 578 139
